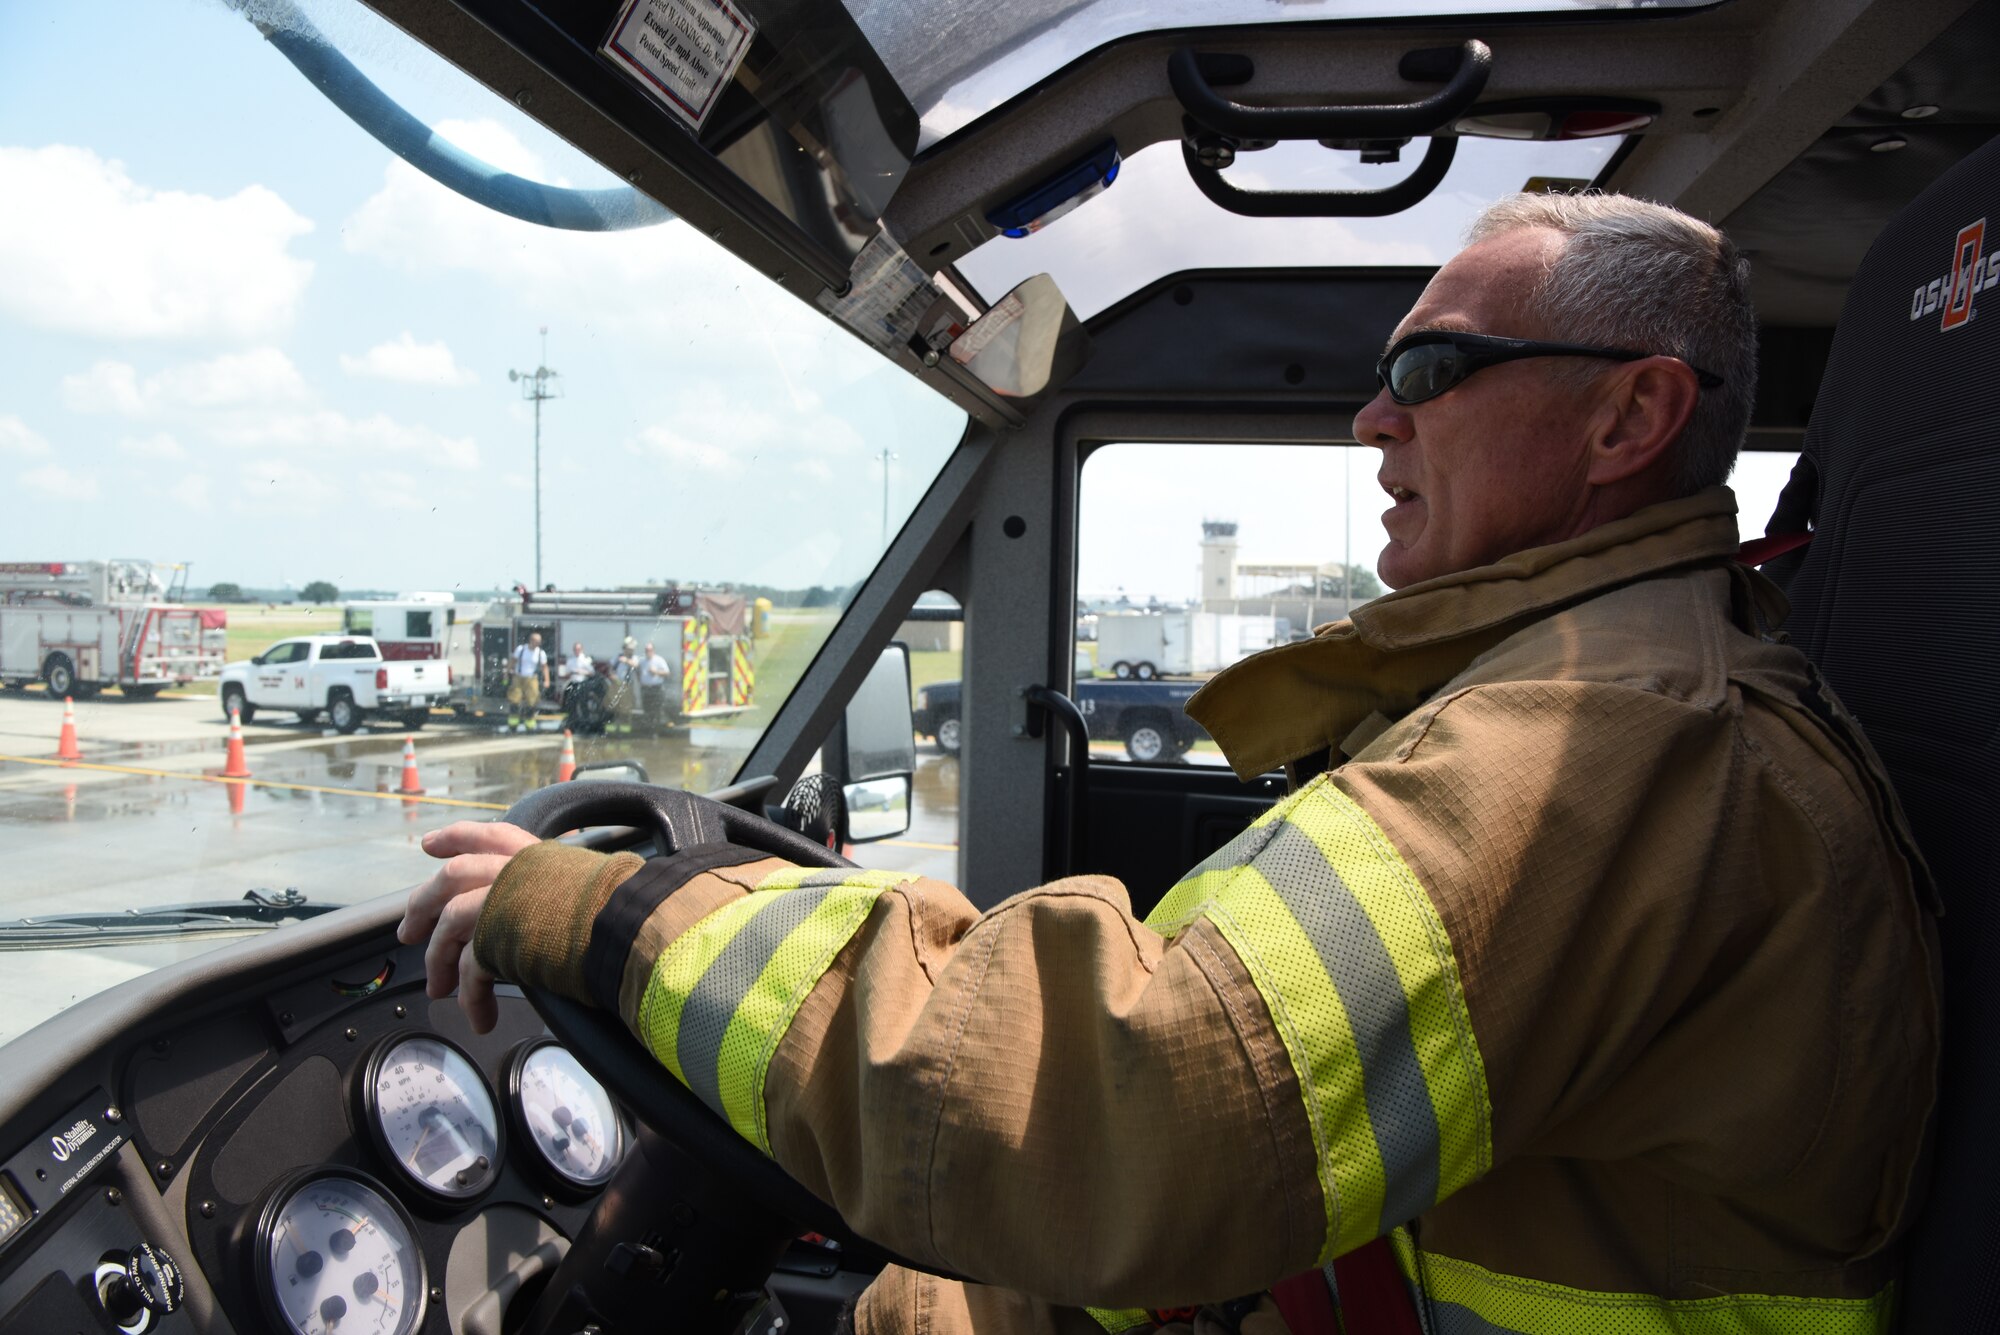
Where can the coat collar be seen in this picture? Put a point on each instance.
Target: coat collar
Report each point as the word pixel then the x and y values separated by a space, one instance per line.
pixel 1298 699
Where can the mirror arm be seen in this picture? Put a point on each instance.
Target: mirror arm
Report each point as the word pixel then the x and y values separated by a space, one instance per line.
pixel 1044 699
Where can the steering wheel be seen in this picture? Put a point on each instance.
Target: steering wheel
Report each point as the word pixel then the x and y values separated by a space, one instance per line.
pixel 601 1042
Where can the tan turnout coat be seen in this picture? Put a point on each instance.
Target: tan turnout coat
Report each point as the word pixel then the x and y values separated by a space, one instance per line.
pixel 1596 957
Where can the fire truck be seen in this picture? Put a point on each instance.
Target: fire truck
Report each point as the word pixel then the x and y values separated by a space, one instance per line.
pixel 80 626
pixel 705 638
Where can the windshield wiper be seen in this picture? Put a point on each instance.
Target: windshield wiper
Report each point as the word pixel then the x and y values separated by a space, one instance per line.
pixel 257 911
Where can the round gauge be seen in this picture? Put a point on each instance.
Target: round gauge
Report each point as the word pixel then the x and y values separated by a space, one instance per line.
pixel 336 1256
pixel 566 1115
pixel 430 1112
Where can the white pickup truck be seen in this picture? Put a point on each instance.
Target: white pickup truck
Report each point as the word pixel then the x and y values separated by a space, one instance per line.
pixel 343 675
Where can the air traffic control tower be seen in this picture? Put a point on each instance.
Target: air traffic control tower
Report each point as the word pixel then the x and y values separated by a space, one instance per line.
pixel 1218 561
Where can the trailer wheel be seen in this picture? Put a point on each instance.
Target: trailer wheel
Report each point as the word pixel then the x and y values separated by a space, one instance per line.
pixel 233 702
pixel 1147 742
pixel 948 735
pixel 415 718
pixel 1122 670
pixel 342 712
pixel 60 675
pixel 1145 671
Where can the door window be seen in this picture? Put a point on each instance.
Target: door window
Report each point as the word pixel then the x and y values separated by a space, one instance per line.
pixel 1193 557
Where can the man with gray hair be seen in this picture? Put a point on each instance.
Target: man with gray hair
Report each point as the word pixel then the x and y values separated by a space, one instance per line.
pixel 1583 982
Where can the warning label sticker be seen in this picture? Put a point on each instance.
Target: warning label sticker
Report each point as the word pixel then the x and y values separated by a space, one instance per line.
pixel 683 52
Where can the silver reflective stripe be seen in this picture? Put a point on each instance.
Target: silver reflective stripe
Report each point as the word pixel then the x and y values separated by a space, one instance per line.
pixel 713 1002
pixel 1355 958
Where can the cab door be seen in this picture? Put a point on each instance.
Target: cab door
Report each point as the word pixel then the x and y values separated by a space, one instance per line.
pixel 279 681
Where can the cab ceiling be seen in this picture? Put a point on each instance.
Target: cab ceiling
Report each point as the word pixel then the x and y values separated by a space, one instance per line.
pixel 1768 110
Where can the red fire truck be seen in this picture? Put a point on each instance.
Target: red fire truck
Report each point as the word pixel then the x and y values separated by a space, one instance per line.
pixel 80 626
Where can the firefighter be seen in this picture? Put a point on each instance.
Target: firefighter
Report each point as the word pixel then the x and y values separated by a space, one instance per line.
pixel 1583 982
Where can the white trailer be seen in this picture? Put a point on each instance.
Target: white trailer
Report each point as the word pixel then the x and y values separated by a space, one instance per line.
pixel 81 626
pixel 1146 645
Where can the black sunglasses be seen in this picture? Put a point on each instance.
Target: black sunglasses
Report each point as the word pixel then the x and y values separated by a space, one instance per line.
pixel 1424 365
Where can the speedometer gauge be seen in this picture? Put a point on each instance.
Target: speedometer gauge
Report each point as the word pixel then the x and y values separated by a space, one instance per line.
pixel 429 1112
pixel 561 1110
pixel 336 1256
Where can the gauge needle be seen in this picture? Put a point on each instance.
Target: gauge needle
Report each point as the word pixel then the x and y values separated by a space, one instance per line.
pixel 293 1233
pixel 416 1148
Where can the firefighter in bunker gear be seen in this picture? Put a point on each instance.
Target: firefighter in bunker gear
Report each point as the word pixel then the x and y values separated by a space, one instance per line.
pixel 1589 962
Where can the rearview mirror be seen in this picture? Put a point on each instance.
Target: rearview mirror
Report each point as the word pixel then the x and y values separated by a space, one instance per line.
pixel 1026 343
pixel 621 771
pixel 873 752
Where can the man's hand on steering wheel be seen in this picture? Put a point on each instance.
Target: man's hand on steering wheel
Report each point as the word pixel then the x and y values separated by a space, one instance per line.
pixel 445 909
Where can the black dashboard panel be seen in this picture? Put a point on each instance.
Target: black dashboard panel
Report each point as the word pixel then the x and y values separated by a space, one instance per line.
pixel 230 1072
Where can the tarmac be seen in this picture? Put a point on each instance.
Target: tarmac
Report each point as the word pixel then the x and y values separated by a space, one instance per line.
pixel 146 817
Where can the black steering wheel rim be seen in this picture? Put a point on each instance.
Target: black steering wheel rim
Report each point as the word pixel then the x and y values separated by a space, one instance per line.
pixel 608 1050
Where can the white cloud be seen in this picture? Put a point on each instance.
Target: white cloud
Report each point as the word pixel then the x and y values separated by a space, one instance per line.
pixel 405 360
pixel 388 490
pixel 687 452
pixel 58 483
pixel 18 438
pixel 160 445
pixel 815 469
pixel 335 432
pixel 261 377
pixel 100 254
pixel 282 484
pixel 668 283
pixel 191 491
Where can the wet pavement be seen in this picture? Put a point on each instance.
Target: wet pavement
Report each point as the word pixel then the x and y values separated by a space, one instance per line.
pixel 146 816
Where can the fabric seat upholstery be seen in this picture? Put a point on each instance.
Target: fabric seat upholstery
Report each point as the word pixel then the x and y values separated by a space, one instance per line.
pixel 1897 600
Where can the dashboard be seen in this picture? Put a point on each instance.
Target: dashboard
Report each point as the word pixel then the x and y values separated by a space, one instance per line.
pixel 284 1134
pixel 330 1152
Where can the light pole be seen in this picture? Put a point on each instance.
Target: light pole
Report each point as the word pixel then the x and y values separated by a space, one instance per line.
pixel 885 454
pixel 536 386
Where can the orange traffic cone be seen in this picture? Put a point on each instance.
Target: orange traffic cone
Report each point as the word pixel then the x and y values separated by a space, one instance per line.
pixel 566 767
pixel 234 766
pixel 66 743
pixel 412 787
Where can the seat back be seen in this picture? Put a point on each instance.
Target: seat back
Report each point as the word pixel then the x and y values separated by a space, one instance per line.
pixel 1898 601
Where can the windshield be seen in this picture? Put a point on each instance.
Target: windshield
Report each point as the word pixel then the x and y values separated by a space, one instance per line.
pixel 247 342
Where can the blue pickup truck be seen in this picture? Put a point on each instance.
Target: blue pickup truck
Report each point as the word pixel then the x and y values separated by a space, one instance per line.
pixel 1147 716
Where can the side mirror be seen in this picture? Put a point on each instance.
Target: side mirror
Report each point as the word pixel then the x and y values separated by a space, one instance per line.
pixel 258 661
pixel 1026 343
pixel 877 808
pixel 873 753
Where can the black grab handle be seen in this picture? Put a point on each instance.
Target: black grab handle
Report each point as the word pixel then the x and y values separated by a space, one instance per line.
pixel 1395 198
pixel 1394 120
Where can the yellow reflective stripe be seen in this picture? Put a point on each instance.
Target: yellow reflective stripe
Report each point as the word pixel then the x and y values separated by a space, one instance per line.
pixel 1359 977
pixel 1466 1299
pixel 768 1008
pixel 792 878
pixel 1409 926
pixel 722 995
pixel 1180 905
pixel 1118 1319
pixel 1312 1022
pixel 677 970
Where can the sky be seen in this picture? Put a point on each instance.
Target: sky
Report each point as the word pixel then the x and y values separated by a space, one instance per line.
pixel 237 332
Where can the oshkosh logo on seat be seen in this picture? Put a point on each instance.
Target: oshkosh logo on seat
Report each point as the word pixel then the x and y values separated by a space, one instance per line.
pixel 1972 271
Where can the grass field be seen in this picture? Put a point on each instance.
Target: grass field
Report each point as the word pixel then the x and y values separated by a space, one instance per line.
pixel 254 628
